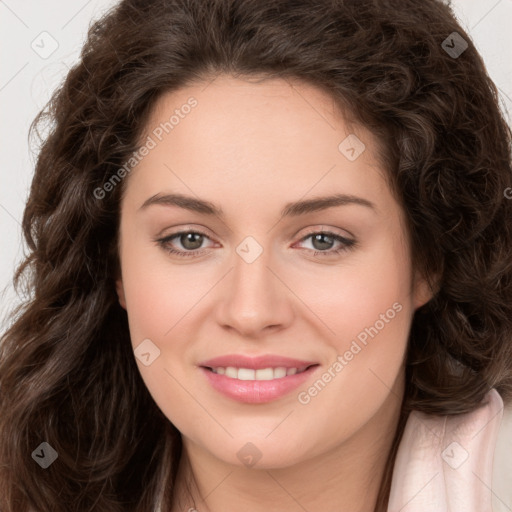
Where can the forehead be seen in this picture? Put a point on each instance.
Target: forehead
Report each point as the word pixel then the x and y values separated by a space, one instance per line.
pixel 250 104
pixel 255 137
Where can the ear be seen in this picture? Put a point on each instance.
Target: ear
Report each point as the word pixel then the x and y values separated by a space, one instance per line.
pixel 120 292
pixel 423 291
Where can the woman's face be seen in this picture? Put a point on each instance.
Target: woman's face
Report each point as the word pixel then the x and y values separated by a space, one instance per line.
pixel 261 280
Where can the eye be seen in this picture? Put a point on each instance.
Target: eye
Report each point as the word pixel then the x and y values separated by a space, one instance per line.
pixel 323 241
pixel 191 242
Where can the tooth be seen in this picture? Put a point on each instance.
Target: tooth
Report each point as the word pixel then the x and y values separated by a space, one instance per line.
pixel 260 374
pixel 231 372
pixel 279 372
pixel 265 374
pixel 246 374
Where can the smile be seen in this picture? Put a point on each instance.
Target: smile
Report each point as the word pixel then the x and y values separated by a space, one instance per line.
pixel 256 386
pixel 260 374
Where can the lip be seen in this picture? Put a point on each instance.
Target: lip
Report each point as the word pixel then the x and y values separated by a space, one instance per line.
pixel 256 391
pixel 255 363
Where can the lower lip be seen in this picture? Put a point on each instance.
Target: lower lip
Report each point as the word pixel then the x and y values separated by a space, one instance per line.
pixel 256 391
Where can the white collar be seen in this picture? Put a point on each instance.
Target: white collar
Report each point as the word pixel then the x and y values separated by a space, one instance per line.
pixel 446 463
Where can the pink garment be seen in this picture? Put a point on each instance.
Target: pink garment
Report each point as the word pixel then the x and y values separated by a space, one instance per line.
pixel 445 463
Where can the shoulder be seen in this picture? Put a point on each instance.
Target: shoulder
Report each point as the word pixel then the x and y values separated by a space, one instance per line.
pixel 502 463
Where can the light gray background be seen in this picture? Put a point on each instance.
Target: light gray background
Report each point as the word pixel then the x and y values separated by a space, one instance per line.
pixel 28 76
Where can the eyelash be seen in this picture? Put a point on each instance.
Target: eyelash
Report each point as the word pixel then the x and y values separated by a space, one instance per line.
pixel 347 244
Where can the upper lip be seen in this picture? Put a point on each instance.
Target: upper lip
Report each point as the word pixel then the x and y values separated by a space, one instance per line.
pixel 255 363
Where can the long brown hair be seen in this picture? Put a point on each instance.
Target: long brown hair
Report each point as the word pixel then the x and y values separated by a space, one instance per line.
pixel 67 371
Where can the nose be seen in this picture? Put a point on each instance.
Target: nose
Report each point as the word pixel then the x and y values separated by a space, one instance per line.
pixel 255 299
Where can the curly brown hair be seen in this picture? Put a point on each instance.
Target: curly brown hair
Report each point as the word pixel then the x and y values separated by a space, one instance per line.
pixel 67 371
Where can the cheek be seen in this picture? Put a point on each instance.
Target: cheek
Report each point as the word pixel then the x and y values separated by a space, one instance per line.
pixel 368 312
pixel 158 292
pixel 160 300
pixel 353 294
pixel 365 310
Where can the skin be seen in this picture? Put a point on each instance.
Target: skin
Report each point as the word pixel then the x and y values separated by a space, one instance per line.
pixel 252 147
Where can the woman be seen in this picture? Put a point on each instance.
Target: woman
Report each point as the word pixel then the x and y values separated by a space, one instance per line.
pixel 257 368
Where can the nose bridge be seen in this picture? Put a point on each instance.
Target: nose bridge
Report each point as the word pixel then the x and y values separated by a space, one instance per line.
pixel 254 298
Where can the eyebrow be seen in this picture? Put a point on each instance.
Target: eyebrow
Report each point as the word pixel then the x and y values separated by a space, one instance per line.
pixel 293 209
